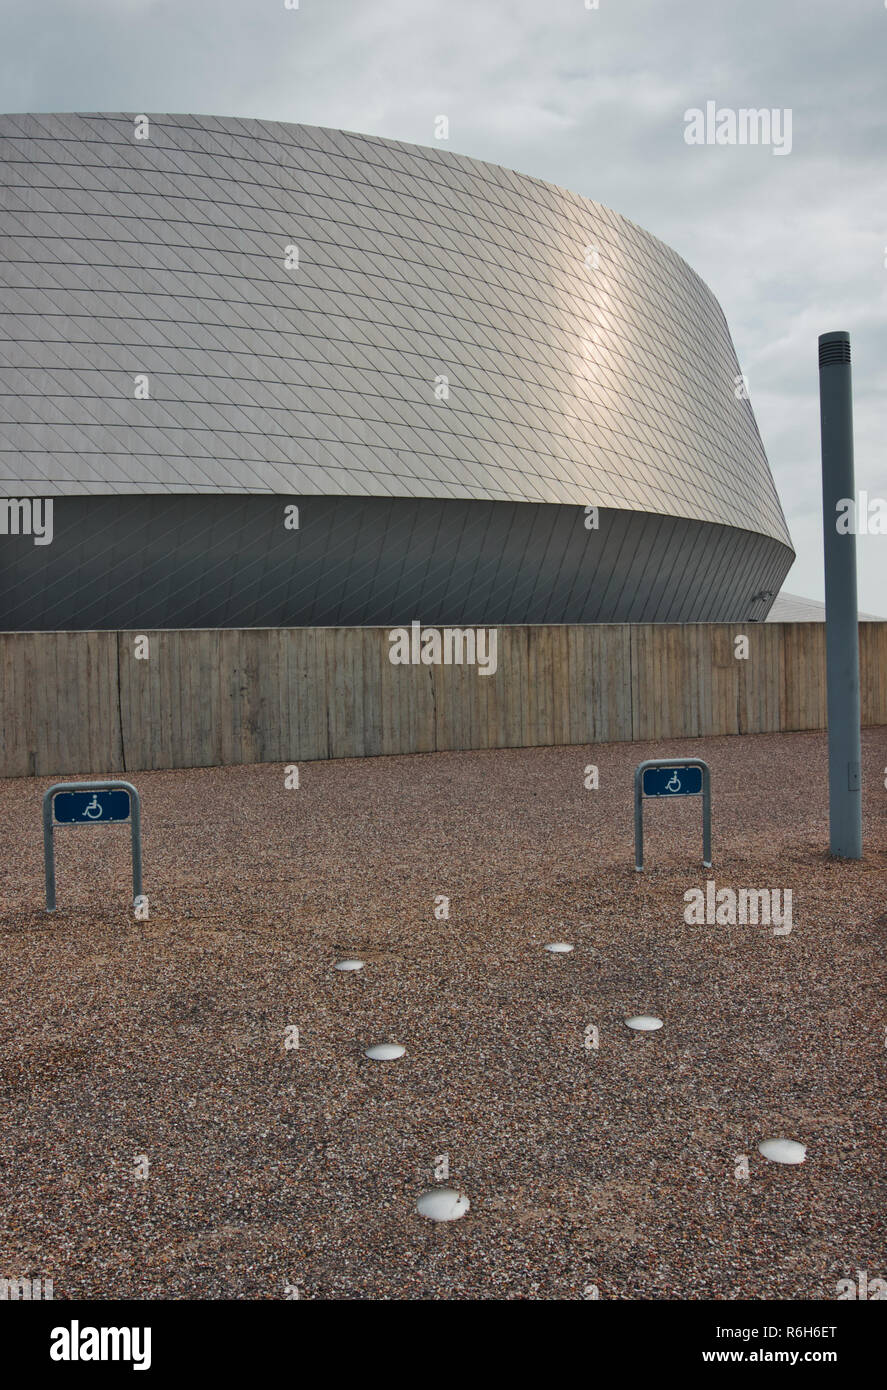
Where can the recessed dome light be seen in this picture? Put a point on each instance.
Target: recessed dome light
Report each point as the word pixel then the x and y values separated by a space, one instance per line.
pixel 442 1204
pixel 385 1052
pixel 644 1023
pixel 783 1150
pixel 559 948
pixel 349 965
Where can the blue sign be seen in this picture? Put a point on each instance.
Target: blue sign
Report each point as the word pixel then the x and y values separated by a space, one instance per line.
pixel 672 781
pixel 85 808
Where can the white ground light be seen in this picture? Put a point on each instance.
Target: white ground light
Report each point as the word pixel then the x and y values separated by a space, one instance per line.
pixel 644 1023
pixel 349 965
pixel 442 1204
pixel 783 1150
pixel 559 948
pixel 385 1052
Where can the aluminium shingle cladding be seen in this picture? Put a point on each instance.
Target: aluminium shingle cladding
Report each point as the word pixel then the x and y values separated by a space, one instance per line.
pixel 568 384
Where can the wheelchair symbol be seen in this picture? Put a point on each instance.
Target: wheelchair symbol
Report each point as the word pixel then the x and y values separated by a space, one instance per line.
pixel 674 783
pixel 93 811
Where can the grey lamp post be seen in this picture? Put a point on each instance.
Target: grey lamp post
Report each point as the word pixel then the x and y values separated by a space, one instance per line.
pixel 841 614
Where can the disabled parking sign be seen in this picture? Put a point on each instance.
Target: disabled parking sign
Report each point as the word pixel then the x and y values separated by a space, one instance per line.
pixel 663 777
pixel 93 803
pixel 676 780
pixel 71 808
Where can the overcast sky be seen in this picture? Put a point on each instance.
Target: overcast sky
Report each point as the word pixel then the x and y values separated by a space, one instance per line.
pixel 592 99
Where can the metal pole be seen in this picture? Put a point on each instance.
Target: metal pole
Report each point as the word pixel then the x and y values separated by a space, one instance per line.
pixel 841 612
pixel 638 821
pixel 49 851
pixel 706 816
pixel 135 813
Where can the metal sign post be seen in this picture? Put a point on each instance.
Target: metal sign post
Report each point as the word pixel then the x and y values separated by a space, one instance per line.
pixel 91 803
pixel 841 615
pixel 671 777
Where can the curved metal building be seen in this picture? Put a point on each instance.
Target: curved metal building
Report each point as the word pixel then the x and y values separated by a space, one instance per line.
pixel 440 363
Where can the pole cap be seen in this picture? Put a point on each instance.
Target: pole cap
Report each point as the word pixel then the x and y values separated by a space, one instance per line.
pixel 834 348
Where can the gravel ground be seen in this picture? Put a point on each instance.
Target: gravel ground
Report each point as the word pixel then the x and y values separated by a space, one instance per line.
pixel 612 1166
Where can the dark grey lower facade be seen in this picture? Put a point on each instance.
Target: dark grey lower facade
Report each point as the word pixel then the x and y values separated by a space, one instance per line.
pixel 178 561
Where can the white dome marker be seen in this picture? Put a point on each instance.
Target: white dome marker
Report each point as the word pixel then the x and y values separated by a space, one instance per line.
pixel 644 1023
pixel 783 1150
pixel 385 1052
pixel 442 1204
pixel 559 948
pixel 349 965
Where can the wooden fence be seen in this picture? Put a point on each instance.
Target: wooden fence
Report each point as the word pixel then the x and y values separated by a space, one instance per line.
pixel 83 702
